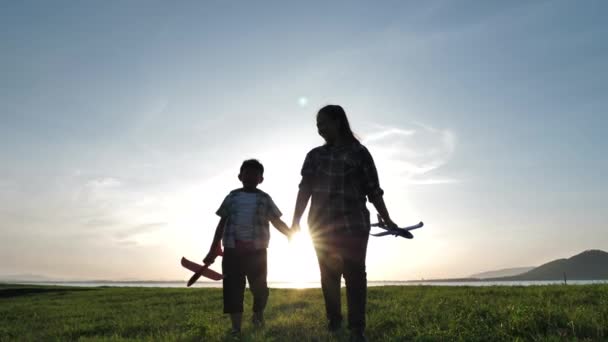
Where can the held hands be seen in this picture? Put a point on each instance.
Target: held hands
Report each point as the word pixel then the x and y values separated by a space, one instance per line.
pixel 290 234
pixel 295 226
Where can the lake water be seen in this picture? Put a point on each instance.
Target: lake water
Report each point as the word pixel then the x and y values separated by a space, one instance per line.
pixel 287 285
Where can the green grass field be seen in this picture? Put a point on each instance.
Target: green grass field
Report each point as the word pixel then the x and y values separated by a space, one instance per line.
pixel 403 313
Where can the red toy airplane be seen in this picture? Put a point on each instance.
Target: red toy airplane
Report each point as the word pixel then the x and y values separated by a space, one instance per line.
pixel 201 270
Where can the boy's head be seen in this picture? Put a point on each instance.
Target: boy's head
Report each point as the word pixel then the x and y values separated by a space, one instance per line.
pixel 251 173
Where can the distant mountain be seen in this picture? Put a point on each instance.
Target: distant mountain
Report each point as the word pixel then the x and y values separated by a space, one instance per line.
pixel 589 265
pixel 506 272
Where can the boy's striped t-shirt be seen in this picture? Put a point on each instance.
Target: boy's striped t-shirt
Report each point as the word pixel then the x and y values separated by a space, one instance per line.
pixel 244 217
pixel 248 215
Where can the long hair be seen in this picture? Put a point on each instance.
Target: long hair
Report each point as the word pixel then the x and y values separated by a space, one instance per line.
pixel 337 113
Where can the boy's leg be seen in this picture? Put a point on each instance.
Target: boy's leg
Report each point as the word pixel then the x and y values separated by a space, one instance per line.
pixel 236 319
pixel 330 265
pixel 233 287
pixel 256 274
pixel 355 277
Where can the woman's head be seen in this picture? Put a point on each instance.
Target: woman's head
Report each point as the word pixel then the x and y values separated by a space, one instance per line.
pixel 332 124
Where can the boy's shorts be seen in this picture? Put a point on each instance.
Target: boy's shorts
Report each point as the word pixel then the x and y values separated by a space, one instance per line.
pixel 238 265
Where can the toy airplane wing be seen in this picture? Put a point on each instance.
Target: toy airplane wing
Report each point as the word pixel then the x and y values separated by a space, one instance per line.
pixel 381 234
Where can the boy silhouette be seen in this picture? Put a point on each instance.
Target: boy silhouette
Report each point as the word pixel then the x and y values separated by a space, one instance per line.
pixel 244 231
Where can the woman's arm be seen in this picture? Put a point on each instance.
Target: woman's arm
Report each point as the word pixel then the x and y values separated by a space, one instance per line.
pixel 301 203
pixel 378 203
pixel 372 188
pixel 305 189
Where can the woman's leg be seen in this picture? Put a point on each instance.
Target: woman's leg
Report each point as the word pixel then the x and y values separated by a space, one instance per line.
pixel 355 276
pixel 330 265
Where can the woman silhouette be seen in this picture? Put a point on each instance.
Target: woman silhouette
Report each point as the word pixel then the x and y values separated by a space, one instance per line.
pixel 338 177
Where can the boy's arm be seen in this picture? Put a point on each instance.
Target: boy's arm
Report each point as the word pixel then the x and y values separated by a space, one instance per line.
pixel 301 203
pixel 216 248
pixel 281 226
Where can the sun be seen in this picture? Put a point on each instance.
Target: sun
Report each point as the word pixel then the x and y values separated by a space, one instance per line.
pixel 295 261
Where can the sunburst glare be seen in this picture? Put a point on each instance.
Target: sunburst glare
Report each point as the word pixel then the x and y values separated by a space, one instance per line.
pixel 296 261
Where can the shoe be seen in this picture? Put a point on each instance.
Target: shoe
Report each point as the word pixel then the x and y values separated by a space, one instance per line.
pixel 257 319
pixel 235 335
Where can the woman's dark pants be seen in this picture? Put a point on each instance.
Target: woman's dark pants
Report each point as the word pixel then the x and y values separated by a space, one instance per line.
pixel 338 255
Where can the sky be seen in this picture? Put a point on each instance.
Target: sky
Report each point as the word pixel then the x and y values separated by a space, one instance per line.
pixel 123 125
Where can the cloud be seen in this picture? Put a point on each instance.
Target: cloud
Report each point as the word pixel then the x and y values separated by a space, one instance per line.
pixel 107 182
pixel 412 154
pixel 386 132
pixel 132 232
pixel 433 181
pixel 117 208
pixel 103 183
pixel 100 222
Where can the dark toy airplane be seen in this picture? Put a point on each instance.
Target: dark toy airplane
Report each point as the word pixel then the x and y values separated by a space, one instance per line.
pixel 403 232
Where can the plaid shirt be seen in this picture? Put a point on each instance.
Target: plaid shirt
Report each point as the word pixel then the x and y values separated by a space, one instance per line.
pixel 340 178
pixel 266 210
